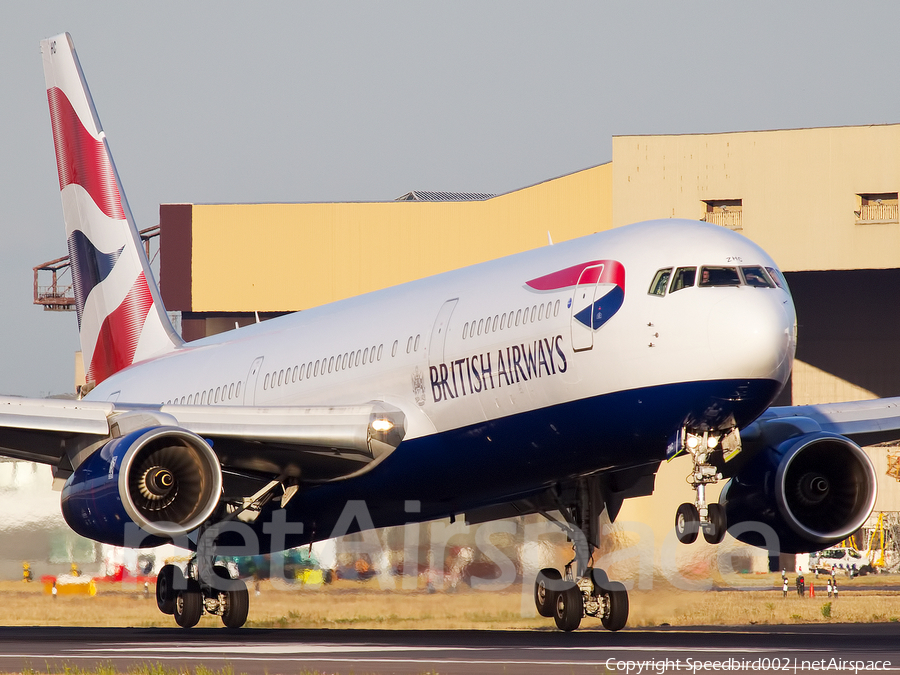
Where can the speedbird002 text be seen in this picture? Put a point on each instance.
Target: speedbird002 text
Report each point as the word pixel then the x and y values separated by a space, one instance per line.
pixel 560 378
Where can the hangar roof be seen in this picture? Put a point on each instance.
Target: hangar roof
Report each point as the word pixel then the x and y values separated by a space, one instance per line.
pixel 425 196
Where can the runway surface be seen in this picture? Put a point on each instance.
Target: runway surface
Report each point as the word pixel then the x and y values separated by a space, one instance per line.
pixel 802 648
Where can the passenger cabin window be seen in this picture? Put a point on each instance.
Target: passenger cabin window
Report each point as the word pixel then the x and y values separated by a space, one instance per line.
pixel 660 282
pixel 756 277
pixel 719 276
pixel 684 278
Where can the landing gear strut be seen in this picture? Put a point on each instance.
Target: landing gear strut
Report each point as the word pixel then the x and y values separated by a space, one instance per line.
pixel 690 518
pixel 586 591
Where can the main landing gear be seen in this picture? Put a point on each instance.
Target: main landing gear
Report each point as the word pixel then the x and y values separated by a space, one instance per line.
pixel 569 600
pixel 207 587
pixel 187 597
pixel 690 518
pixel 586 591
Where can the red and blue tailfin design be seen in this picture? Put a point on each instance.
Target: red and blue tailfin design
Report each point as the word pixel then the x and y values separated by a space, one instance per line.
pixel 121 319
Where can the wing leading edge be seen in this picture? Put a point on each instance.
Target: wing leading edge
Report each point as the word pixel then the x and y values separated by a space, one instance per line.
pixel 863 422
pixel 320 442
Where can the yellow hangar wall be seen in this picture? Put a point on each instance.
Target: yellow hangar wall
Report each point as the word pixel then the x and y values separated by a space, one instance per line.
pixel 296 256
pixel 800 190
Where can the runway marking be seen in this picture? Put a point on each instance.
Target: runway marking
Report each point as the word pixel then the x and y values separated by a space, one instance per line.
pixel 280 648
pixel 307 648
pixel 381 661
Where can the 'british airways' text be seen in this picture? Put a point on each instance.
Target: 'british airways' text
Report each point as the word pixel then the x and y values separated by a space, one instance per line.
pixel 490 370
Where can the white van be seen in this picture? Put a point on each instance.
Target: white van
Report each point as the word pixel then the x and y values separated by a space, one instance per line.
pixel 841 557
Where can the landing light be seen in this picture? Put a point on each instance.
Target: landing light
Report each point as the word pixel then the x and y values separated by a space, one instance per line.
pixel 693 442
pixel 712 442
pixel 382 425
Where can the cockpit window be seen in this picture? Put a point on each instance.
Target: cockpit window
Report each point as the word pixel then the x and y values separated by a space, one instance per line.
pixel 660 282
pixel 684 278
pixel 778 278
pixel 756 277
pixel 719 276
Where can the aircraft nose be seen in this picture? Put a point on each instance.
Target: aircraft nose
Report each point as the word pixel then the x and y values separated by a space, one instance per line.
pixel 751 334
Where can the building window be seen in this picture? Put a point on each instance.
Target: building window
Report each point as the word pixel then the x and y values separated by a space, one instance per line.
pixel 877 207
pixel 724 212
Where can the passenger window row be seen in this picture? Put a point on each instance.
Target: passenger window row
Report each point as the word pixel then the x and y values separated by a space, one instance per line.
pixel 508 320
pixel 280 378
pixel 412 345
pixel 714 276
pixel 332 364
pixel 229 392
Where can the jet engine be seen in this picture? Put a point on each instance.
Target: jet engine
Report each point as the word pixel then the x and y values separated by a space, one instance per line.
pixel 165 479
pixel 814 490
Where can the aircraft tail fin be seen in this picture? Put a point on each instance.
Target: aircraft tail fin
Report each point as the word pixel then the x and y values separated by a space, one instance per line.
pixel 121 318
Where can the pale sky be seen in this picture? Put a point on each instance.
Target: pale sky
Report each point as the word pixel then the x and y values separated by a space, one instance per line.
pixel 320 101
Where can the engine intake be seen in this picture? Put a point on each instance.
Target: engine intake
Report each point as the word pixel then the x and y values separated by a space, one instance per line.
pixel 166 480
pixel 814 490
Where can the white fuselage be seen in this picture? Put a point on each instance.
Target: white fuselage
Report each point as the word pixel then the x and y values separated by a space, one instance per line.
pixel 694 334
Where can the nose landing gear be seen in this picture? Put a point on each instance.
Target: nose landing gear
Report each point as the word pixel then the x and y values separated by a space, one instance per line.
pixel 690 518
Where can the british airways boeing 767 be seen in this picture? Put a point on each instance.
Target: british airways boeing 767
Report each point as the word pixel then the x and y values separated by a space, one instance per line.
pixel 553 380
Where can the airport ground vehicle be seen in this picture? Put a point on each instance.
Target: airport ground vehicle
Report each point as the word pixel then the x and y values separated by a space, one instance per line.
pixel 842 558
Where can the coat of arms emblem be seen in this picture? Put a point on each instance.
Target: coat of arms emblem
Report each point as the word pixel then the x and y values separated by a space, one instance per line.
pixel 418 385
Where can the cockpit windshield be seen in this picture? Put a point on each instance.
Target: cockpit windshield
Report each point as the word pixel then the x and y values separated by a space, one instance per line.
pixel 756 277
pixel 719 276
pixel 778 278
pixel 660 281
pixel 708 276
pixel 684 278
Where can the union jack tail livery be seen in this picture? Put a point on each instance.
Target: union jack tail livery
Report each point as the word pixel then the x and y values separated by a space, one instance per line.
pixel 121 319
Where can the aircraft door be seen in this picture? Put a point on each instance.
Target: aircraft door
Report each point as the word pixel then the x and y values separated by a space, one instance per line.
pixel 585 294
pixel 252 377
pixel 438 338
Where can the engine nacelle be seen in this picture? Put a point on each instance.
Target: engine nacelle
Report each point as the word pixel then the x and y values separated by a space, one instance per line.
pixel 165 479
pixel 814 490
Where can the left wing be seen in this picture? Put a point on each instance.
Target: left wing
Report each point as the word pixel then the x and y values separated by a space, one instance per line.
pixel 321 442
